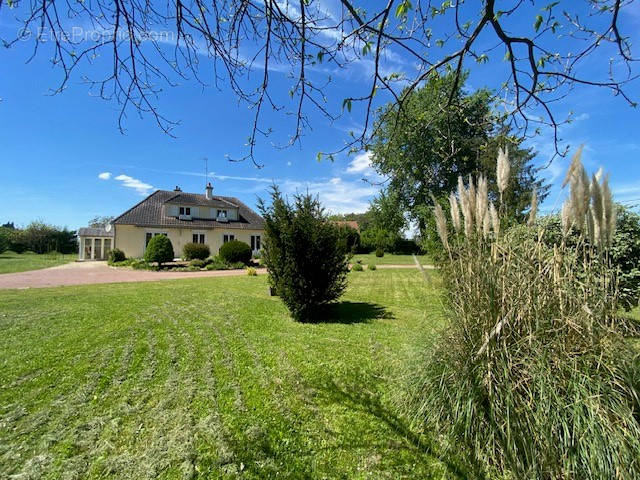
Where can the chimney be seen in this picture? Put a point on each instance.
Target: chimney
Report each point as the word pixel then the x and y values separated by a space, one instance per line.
pixel 208 191
pixel 177 189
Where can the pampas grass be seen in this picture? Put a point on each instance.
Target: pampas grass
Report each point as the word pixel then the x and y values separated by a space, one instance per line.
pixel 531 375
pixel 503 170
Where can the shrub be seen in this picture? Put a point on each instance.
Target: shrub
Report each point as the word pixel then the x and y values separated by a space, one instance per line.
pixel 235 251
pixel 304 255
pixel 624 253
pixel 4 243
pixel 139 264
pixel 251 272
pixel 159 250
pixel 371 266
pixel 379 252
pixel 18 241
pixel 198 251
pixel 197 263
pixel 116 255
pixel 350 237
pixel 530 376
pixel 356 267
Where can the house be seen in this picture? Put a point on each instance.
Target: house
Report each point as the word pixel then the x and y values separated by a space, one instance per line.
pixel 348 223
pixel 94 243
pixel 183 217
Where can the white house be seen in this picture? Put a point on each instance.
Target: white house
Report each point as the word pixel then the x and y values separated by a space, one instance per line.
pixel 183 217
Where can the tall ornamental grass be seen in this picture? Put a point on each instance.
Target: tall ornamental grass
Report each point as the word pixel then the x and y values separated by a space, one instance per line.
pixel 532 376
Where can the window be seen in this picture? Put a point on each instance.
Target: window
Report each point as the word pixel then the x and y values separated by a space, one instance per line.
pixel 222 213
pixel 255 242
pixel 198 238
pixel 228 238
pixel 185 210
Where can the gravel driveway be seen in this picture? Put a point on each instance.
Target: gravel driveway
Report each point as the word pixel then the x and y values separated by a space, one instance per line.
pixel 83 273
pixel 86 273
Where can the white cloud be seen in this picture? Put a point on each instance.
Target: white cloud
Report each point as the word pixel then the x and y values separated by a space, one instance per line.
pixel 361 165
pixel 130 182
pixel 336 194
pixel 244 179
pixel 104 175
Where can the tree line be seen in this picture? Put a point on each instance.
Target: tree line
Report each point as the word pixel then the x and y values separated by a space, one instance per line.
pixel 37 237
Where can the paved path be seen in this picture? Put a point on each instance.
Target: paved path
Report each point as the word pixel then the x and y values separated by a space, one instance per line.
pixel 86 273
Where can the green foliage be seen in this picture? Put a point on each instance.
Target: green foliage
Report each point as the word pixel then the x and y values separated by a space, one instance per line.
pixel 100 222
pixel 529 353
pixel 372 266
pixel 198 251
pixel 40 237
pixel 307 262
pixel 356 267
pixel 116 255
pixel 424 149
pixel 533 374
pixel 4 242
pixel 218 263
pixel 235 251
pixel 379 252
pixel 624 255
pixel 252 272
pixel 18 241
pixel 350 237
pixel 198 263
pixel 159 250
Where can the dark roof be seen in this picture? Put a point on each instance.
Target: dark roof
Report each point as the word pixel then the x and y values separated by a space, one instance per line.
pixel 150 212
pixel 201 200
pixel 94 232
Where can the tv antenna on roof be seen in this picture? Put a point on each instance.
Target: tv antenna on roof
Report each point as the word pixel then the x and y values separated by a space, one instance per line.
pixel 206 171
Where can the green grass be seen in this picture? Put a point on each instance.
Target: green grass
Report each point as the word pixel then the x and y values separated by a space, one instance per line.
pixel 211 378
pixel 11 262
pixel 390 259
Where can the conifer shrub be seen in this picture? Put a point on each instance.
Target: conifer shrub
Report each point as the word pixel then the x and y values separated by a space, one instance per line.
pixel 379 252
pixel 304 254
pixel 159 250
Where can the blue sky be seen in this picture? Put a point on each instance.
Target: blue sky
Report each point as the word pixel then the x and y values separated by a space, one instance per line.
pixel 63 159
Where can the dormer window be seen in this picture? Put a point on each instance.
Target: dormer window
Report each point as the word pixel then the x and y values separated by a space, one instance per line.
pixel 185 210
pixel 222 214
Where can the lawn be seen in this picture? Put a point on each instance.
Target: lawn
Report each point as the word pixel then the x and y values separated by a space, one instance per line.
pixel 11 262
pixel 390 259
pixel 211 378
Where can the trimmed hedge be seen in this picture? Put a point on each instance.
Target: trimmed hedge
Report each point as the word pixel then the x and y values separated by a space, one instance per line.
pixel 235 251
pixel 193 251
pixel 116 255
pixel 159 250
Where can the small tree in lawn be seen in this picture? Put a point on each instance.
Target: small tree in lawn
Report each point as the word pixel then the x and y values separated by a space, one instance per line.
pixel 159 250
pixel 304 254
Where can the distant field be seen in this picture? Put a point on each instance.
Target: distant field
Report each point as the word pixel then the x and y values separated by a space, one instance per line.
pixel 210 378
pixel 390 259
pixel 11 262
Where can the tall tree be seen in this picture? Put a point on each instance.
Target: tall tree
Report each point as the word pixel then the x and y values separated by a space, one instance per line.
pixel 134 49
pixel 424 149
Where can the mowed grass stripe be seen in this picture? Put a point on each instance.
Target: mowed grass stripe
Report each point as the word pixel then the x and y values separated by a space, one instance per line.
pixel 210 378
